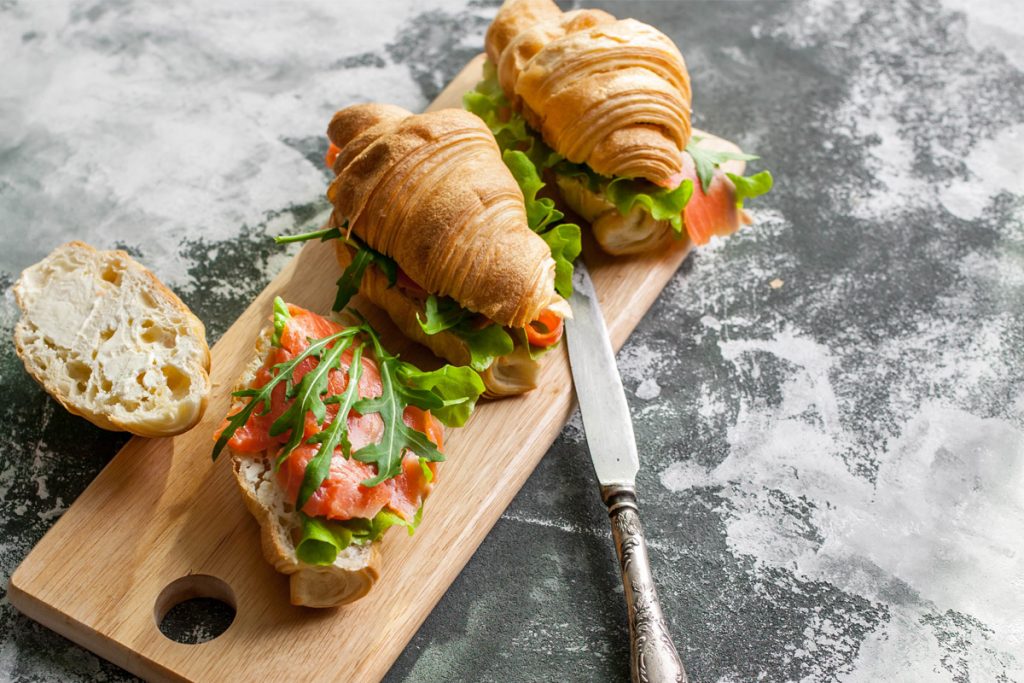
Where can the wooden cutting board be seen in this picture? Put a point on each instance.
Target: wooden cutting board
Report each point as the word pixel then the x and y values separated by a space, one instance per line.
pixel 162 523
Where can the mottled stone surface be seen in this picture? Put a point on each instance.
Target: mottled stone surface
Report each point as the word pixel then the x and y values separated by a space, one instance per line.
pixel 833 479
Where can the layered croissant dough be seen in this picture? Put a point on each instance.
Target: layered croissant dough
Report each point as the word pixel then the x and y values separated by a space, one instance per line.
pixel 432 192
pixel 613 94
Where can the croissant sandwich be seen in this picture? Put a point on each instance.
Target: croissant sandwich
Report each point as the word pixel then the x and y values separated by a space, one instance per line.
pixel 603 106
pixel 334 441
pixel 435 229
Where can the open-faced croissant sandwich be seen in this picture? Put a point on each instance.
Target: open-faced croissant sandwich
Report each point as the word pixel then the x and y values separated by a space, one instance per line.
pixel 333 442
pixel 437 231
pixel 603 105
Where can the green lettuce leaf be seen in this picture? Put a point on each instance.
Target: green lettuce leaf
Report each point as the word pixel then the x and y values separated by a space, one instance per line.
pixel 707 159
pixel 323 539
pixel 663 204
pixel 441 314
pixel 485 344
pixel 508 127
pixel 539 212
pixel 488 102
pixel 369 530
pixel 281 318
pixel 428 473
pixel 750 186
pixel 534 352
pixel 564 242
pixel 458 386
pixel 488 343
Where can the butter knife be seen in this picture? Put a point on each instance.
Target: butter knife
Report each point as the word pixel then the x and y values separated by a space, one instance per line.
pixel 609 429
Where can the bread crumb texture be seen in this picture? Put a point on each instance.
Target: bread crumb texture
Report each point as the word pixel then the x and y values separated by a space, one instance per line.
pixel 111 343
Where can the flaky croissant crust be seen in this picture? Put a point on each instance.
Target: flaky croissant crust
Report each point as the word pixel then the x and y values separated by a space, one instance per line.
pixel 613 94
pixel 431 191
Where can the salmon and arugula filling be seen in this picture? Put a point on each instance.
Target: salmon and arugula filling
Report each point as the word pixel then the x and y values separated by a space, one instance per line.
pixel 354 434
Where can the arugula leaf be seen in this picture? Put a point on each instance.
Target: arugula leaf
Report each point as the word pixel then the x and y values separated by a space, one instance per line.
pixel 387 453
pixel 663 204
pixel 387 265
pixel 324 235
pixel 336 434
pixel 308 399
pixel 441 314
pixel 539 212
pixel 750 186
pixel 282 372
pixel 352 276
pixel 564 242
pixel 707 159
pixel 348 283
pixel 458 387
pixel 485 344
pixel 281 318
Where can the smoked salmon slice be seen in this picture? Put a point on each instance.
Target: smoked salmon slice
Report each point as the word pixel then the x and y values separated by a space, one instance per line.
pixel 713 212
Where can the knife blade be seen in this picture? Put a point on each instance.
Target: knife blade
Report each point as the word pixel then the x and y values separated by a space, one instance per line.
pixel 599 389
pixel 609 430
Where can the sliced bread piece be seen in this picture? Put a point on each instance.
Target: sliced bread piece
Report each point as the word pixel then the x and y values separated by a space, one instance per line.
pixel 356 568
pixel 111 343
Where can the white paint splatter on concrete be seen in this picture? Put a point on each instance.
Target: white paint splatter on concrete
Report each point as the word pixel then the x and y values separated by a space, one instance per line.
pixel 648 389
pixel 995 166
pixel 142 124
pixel 946 509
pixel 991 25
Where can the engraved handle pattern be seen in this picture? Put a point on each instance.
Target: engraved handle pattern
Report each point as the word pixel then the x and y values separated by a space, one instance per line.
pixel 653 656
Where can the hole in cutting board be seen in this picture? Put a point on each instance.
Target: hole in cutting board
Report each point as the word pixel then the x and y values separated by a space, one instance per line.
pixel 195 609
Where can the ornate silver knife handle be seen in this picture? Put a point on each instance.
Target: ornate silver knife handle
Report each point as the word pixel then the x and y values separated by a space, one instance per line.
pixel 653 656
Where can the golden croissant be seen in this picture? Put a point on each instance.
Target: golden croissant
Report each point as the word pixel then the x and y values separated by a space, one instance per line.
pixel 613 94
pixel 612 97
pixel 431 192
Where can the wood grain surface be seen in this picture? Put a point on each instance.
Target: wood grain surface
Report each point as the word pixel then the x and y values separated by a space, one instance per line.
pixel 161 511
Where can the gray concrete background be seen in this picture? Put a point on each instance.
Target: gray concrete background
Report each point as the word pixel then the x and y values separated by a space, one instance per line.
pixel 832 473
